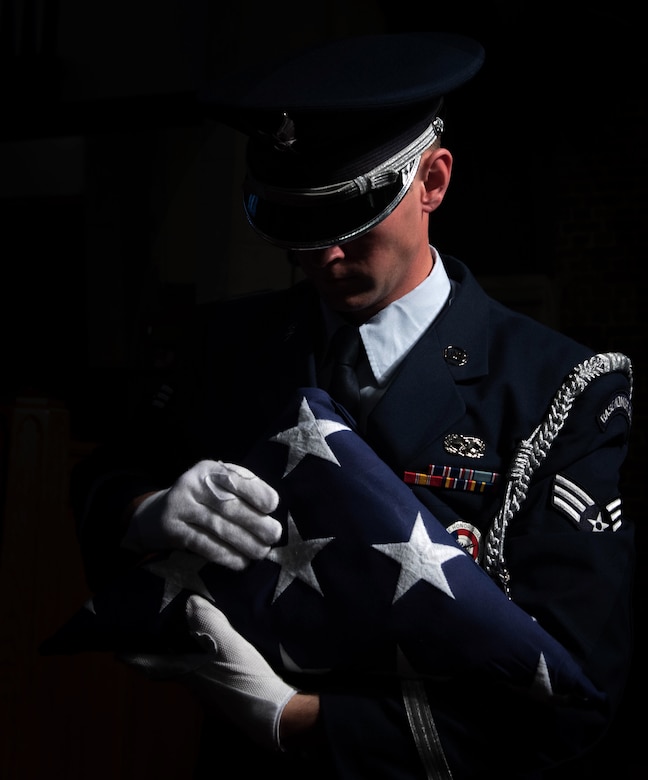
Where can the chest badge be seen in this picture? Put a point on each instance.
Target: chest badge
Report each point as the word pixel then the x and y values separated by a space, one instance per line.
pixel 466 446
pixel 453 478
pixel 467 537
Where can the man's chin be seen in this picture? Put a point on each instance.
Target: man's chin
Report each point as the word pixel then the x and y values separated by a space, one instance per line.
pixel 357 307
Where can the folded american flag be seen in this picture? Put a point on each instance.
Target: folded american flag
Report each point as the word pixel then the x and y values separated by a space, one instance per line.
pixel 364 579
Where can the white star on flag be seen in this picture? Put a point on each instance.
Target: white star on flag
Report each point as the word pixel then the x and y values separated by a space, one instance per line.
pixel 295 559
pixel 542 683
pixel 308 437
pixel 420 559
pixel 180 571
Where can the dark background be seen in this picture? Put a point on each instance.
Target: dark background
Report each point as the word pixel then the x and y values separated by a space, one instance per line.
pixel 119 210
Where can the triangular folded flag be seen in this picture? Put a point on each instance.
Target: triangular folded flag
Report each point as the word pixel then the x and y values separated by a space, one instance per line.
pixel 364 579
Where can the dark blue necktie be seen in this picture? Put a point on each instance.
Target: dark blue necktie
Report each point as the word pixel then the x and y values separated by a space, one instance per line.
pixel 345 349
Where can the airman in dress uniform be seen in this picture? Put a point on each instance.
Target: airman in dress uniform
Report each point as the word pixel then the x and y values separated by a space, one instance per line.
pixel 510 433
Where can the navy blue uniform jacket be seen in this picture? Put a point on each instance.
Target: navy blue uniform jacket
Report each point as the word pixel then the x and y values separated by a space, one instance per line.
pixel 570 562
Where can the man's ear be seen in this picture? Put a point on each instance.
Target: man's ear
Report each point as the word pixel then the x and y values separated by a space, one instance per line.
pixel 435 169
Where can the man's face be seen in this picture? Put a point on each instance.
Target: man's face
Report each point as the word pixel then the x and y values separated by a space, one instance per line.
pixel 362 276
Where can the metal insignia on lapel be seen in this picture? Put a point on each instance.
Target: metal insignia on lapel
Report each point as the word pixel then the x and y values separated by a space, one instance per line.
pixel 455 356
pixel 467 446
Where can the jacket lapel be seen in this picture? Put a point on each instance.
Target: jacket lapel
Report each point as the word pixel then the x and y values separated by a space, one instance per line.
pixel 425 398
pixel 418 406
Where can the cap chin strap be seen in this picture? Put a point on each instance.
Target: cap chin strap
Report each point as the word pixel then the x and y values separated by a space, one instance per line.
pixel 387 173
pixel 407 176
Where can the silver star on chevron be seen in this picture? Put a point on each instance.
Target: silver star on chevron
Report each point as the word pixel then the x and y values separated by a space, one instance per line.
pixel 420 559
pixel 308 437
pixel 179 571
pixel 295 559
pixel 598 523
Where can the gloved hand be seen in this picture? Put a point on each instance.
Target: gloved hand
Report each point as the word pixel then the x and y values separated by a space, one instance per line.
pixel 232 675
pixel 219 511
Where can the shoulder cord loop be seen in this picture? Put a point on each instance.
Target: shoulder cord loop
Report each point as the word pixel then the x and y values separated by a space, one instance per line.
pixel 532 451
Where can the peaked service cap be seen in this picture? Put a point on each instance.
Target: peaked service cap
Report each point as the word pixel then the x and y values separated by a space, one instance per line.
pixel 336 131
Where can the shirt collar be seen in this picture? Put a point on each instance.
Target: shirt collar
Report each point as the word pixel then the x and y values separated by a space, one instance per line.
pixel 390 334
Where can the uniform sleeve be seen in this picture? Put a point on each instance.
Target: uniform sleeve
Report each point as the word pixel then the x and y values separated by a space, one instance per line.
pixel 570 549
pixel 569 556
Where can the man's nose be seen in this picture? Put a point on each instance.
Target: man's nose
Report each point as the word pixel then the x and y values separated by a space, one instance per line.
pixel 316 258
pixel 330 254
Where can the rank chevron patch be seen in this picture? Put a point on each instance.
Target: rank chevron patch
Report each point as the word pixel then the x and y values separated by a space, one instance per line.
pixel 583 511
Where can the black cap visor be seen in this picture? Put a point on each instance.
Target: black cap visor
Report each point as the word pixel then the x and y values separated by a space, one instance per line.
pixel 313 224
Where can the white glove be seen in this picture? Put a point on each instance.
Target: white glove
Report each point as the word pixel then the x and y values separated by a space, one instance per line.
pixel 219 511
pixel 232 676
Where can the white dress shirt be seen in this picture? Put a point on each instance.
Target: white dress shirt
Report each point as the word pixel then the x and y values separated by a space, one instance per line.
pixel 391 333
